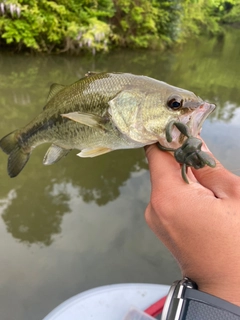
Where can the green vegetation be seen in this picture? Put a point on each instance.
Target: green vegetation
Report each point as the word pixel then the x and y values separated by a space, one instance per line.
pixel 97 25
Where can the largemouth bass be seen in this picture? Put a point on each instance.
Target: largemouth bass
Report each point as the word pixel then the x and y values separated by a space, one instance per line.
pixel 103 112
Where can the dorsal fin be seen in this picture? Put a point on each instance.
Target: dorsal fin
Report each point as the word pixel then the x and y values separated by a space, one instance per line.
pixel 54 89
pixel 90 73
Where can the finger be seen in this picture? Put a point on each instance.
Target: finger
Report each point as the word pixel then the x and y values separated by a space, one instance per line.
pixel 163 167
pixel 191 176
pixel 219 180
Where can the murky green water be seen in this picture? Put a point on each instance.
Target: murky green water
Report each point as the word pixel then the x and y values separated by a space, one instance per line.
pixel 79 224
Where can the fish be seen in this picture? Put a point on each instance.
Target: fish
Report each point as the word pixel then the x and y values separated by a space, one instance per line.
pixel 102 112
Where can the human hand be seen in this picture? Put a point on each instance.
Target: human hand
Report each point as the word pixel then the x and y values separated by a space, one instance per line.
pixel 198 222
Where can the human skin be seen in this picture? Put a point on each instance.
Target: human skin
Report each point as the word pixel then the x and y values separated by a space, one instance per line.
pixel 198 222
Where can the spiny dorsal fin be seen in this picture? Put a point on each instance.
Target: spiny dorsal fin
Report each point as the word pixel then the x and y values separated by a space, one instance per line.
pixel 93 152
pixel 88 119
pixel 90 73
pixel 54 154
pixel 54 89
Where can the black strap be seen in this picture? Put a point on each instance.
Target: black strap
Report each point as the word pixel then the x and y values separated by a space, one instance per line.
pixel 200 311
pixel 203 306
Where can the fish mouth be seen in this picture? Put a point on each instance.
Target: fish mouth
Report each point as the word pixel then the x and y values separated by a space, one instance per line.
pixel 194 120
pixel 198 116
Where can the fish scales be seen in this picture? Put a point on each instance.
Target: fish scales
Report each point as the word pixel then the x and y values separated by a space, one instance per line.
pixel 85 95
pixel 103 112
pixel 81 96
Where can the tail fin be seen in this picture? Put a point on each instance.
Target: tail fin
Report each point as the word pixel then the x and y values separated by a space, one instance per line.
pixel 17 157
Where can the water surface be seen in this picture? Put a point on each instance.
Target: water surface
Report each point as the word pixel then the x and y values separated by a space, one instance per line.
pixel 80 223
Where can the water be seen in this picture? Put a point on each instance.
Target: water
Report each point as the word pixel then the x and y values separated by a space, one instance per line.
pixel 80 223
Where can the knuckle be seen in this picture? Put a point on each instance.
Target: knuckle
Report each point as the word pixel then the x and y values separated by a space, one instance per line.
pixel 236 187
pixel 162 205
pixel 148 214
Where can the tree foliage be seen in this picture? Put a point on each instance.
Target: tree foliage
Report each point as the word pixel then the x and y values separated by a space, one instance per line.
pixel 95 25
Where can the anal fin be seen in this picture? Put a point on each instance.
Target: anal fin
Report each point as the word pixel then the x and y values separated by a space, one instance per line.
pixel 54 154
pixel 93 152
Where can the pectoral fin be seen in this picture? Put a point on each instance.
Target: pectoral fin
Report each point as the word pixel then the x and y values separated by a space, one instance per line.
pixel 88 119
pixel 93 152
pixel 54 154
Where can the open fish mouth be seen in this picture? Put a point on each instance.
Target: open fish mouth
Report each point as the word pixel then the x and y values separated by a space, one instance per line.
pixel 194 120
pixel 189 154
pixel 198 116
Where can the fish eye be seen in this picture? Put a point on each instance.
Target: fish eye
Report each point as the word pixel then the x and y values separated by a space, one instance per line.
pixel 175 103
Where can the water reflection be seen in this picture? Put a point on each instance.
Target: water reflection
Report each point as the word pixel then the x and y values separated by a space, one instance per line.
pixel 27 221
pixel 211 67
pixel 99 179
pixel 6 202
pixel 34 215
